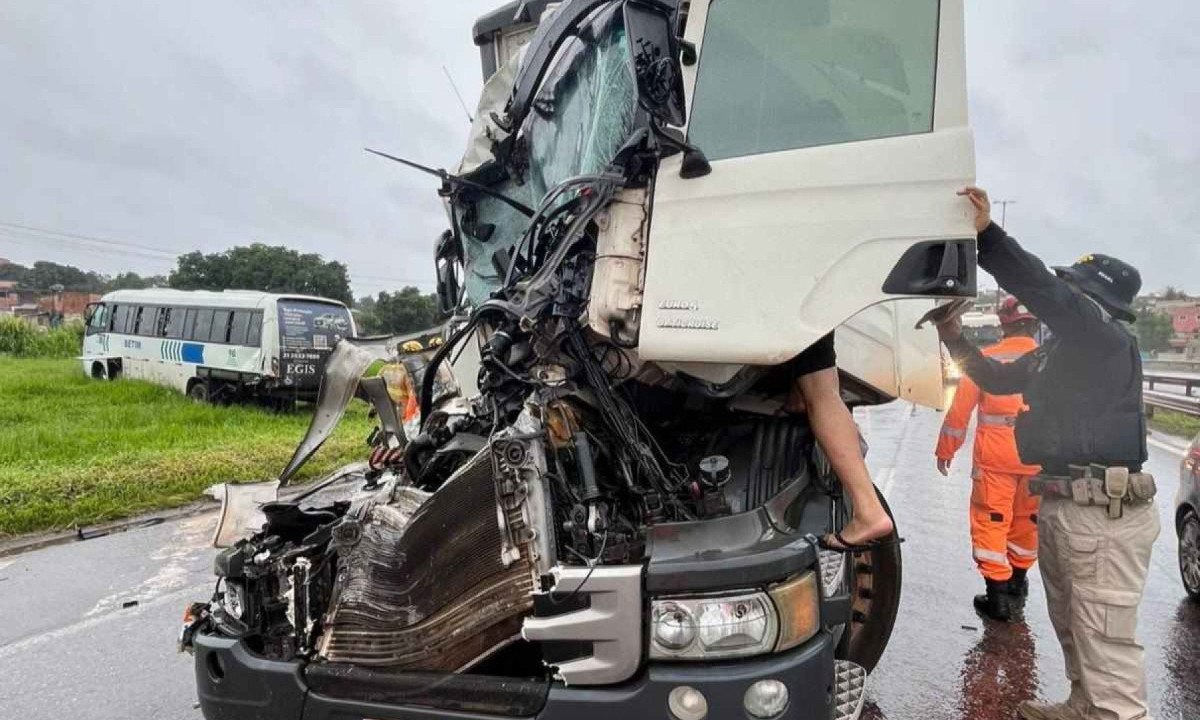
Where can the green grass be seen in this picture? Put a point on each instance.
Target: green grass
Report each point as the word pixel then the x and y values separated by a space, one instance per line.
pixel 76 451
pixel 21 339
pixel 1174 423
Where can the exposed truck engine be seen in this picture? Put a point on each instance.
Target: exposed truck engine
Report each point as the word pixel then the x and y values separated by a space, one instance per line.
pixel 588 496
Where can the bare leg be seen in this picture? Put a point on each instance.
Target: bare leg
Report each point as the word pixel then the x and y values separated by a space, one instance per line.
pixel 834 427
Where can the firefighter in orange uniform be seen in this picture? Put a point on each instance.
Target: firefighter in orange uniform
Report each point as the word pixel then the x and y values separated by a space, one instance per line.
pixel 1003 512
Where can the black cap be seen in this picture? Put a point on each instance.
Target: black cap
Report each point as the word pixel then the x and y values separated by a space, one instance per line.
pixel 1113 283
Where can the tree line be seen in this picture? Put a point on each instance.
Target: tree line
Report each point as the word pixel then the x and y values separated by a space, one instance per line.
pixel 261 267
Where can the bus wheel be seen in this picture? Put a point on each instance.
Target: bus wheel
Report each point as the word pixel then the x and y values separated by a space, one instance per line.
pixel 114 369
pixel 198 391
pixel 99 371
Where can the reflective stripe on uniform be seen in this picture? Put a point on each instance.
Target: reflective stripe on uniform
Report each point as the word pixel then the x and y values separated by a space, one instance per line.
pixel 954 432
pixel 999 420
pixel 1005 356
pixel 1019 551
pixel 983 554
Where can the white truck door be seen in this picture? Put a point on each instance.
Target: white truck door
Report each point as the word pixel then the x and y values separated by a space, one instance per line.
pixel 837 133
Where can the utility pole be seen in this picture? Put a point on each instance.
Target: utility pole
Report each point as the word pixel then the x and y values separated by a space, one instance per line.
pixel 1003 208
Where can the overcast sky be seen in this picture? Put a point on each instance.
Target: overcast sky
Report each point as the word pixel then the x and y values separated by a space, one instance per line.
pixel 169 127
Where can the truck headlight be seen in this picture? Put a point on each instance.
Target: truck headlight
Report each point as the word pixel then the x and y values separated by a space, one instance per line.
pixel 741 625
pixel 714 627
pixel 235 601
pixel 799 603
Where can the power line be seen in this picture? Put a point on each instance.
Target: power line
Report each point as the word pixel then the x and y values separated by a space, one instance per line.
pixel 65 245
pixel 410 281
pixel 87 238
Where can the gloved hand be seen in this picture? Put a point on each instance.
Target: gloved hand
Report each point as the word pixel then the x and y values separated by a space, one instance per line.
pixel 951 329
pixel 943 467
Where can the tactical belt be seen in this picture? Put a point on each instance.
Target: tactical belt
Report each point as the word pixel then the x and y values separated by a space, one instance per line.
pixel 1000 420
pixel 1111 487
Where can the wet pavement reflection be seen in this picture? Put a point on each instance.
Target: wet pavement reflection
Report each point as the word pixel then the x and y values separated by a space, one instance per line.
pixel 944 661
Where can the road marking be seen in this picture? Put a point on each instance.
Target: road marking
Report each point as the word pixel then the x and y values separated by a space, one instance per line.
pixel 175 559
pixel 90 622
pixel 1173 449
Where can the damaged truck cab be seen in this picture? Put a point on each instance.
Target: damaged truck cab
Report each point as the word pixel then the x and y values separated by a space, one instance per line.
pixel 591 500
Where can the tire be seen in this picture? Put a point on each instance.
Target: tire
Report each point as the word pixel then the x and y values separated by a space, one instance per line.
pixel 1189 554
pixel 199 391
pixel 99 371
pixel 875 581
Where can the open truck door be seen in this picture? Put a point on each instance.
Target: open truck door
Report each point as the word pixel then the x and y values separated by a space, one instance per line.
pixel 837 134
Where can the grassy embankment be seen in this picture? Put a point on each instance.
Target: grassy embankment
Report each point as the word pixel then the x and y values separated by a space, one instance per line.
pixel 76 451
pixel 1168 421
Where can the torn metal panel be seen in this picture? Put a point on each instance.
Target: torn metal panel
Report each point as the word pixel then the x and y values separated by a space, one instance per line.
pixel 398 604
pixel 345 366
pixel 241 510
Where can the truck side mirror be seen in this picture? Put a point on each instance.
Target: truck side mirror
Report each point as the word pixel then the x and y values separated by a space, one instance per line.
pixel 448 260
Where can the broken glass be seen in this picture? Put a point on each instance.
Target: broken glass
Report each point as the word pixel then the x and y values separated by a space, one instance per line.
pixel 584 112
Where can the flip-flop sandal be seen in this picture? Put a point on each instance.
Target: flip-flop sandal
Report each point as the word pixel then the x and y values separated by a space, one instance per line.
pixel 847 547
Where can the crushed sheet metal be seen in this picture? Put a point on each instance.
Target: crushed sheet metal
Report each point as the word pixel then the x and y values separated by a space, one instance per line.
pixel 346 364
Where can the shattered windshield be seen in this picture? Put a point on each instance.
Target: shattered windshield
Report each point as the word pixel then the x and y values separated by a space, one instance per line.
pixel 582 115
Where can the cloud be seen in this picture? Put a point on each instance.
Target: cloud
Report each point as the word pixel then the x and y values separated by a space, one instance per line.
pixel 182 128
pixel 204 126
pixel 1084 114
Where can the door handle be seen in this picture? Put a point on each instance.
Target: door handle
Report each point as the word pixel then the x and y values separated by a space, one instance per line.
pixel 936 268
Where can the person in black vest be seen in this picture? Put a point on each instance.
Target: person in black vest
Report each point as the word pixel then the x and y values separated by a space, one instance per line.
pixel 1085 426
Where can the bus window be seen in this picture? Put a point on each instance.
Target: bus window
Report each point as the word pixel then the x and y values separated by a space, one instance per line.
pixel 160 322
pixel 173 324
pixel 143 320
pixel 120 318
pixel 254 332
pixel 204 322
pixel 239 326
pixel 98 319
pixel 220 326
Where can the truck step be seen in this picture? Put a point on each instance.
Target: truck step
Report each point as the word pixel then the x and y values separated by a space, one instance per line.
pixel 833 571
pixel 850 690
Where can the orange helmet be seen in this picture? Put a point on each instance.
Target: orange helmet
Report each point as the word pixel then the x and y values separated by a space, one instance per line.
pixel 1012 311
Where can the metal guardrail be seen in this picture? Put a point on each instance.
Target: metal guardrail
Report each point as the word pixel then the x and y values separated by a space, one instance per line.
pixel 1186 380
pixel 1184 402
pixel 1171 401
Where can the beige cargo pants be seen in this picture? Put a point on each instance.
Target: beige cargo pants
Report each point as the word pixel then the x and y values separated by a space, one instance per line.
pixel 1094 570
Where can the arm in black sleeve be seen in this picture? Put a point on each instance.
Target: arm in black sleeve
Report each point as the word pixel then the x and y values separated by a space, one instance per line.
pixel 1069 314
pixel 992 376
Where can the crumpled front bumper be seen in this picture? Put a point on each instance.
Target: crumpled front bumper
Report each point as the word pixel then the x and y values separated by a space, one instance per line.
pixel 234 684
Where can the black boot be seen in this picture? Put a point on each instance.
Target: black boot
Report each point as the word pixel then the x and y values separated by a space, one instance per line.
pixel 996 603
pixel 1018 586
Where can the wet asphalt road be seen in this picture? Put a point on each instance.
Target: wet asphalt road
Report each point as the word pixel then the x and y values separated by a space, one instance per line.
pixel 944 662
pixel 73 646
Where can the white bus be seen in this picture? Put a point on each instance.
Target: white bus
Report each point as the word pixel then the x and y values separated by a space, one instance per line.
pixel 215 346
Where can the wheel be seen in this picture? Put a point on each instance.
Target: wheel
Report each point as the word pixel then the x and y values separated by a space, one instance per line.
pixel 1189 554
pixel 199 391
pixel 875 580
pixel 99 371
